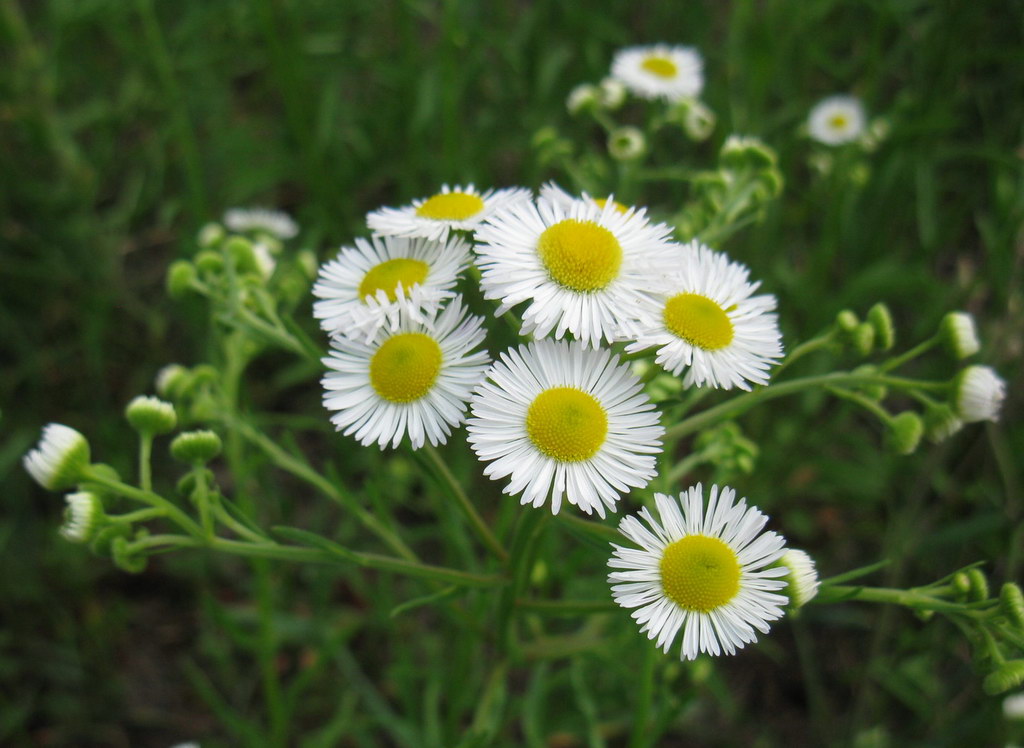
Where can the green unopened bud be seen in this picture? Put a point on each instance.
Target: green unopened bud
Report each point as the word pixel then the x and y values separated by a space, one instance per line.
pixel 627 143
pixel 1004 678
pixel 876 392
pixel 961 585
pixel 979 586
pixel 744 152
pixel 863 339
pixel 611 94
pixel 124 558
pixel 195 447
pixel 885 331
pixel 847 320
pixel 1011 602
pixel 242 253
pixel 940 422
pixel 306 260
pixel 905 431
pixel 172 381
pixel 697 121
pixel 582 97
pixel 106 535
pixel 150 415
pixel 83 517
pixel 60 458
pixel 211 235
pixel 959 335
pixel 180 277
pixel 209 262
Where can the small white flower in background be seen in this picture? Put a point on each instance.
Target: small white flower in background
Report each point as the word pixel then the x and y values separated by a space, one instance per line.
pixel 261 220
pixel 836 120
pixel 978 394
pixel 1013 706
pixel 264 259
pixel 415 380
pixel 959 335
pixel 705 318
pixel 707 572
pixel 626 143
pixel 802 580
pixel 455 208
pixel 81 516
pixel 660 71
pixel 365 288
pixel 612 93
pixel 581 267
pixel 561 420
pixel 59 459
pixel 698 120
pixel 581 97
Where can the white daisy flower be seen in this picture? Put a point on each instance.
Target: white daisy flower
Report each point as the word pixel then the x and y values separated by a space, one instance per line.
pixel 563 420
pixel 60 458
pixel 455 208
pixel 959 334
pixel 261 220
pixel 706 317
pixel 660 71
pixel 552 192
pixel 836 120
pixel 802 580
pixel 707 572
pixel 415 380
pixel 583 268
pixel 81 516
pixel 978 394
pixel 360 289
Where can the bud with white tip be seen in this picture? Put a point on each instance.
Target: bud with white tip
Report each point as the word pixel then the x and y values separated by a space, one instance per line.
pixel 195 447
pixel 82 516
pixel 583 96
pixel 978 394
pixel 802 580
pixel 150 415
pixel 626 143
pixel 59 459
pixel 959 335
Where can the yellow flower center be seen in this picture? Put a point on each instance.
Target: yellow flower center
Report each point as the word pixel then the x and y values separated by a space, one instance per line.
pixel 603 201
pixel 405 366
pixel 699 321
pixel 566 424
pixel 699 573
pixel 580 255
pixel 451 206
pixel 660 66
pixel 387 275
pixel 837 121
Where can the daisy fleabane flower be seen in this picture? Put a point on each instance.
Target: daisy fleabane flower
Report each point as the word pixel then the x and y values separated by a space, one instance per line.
pixel 551 191
pixel 261 220
pixel 560 420
pixel 59 459
pixel 660 71
pixel 706 319
pixel 415 380
pixel 837 120
pixel 706 572
pixel 802 580
pixel 82 514
pixel 582 267
pixel 358 290
pixel 458 208
pixel 978 394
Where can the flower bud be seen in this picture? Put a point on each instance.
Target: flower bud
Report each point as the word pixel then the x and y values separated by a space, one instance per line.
pixel 150 415
pixel 863 338
pixel 978 394
pixel 959 335
pixel 180 277
pixel 746 152
pixel 698 121
pixel 626 143
pixel 802 579
pixel 582 97
pixel 307 261
pixel 979 585
pixel 211 235
pixel 940 422
pixel 905 431
pixel 961 585
pixel 242 253
pixel 881 319
pixel 1011 603
pixel 611 93
pixel 83 516
pixel 172 381
pixel 209 262
pixel 195 447
pixel 1007 676
pixel 124 558
pixel 60 458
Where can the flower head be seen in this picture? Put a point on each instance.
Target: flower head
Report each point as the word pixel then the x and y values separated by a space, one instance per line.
pixel 581 267
pixel 802 580
pixel 836 120
pixel 706 318
pixel 455 208
pixel 660 71
pixel 416 379
pixel 59 459
pixel 261 221
pixel 151 415
pixel 959 334
pixel 561 420
pixel 81 516
pixel 978 394
pixel 706 571
pixel 363 289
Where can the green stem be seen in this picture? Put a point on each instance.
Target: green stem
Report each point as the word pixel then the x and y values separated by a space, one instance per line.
pixel 641 734
pixel 145 460
pixel 912 598
pixel 816 343
pixel 917 350
pixel 682 468
pixel 147 497
pixel 463 502
pixel 863 401
pixel 201 497
pixel 594 529
pixel 228 521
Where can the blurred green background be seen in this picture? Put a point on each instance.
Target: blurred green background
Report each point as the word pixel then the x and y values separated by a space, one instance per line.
pixel 126 124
